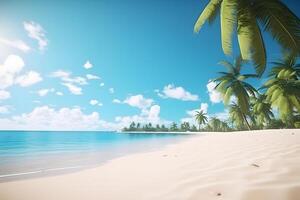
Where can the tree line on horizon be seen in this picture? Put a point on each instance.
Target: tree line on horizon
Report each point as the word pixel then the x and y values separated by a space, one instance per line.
pixel 215 124
pixel 174 127
pixel 249 107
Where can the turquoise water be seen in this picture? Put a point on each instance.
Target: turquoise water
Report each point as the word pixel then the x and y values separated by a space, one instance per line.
pixel 25 153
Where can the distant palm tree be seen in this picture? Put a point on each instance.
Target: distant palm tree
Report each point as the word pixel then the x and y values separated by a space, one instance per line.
pixel 215 124
pixel 232 85
pixel 132 126
pixel 163 128
pixel 224 126
pixel 185 126
pixel 173 127
pixel 238 117
pixel 194 128
pixel 245 16
pixel 138 125
pixel 201 118
pixel 262 110
pixel 157 127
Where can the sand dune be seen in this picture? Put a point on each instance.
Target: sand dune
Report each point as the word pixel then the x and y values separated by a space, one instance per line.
pixel 257 165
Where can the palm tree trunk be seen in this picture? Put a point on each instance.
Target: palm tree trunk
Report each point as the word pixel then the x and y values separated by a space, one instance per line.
pixel 199 127
pixel 247 123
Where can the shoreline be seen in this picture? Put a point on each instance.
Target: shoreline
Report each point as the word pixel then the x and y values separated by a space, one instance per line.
pixel 92 160
pixel 209 132
pixel 258 165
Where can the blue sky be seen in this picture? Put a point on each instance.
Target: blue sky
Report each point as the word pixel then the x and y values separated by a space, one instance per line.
pixel 146 64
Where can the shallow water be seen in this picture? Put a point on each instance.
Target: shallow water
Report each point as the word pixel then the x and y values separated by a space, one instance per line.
pixel 26 154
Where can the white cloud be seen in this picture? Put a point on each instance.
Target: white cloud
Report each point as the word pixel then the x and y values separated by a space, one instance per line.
pixel 101 84
pixel 149 113
pixel 100 104
pixel 44 92
pixel 60 74
pixel 66 77
pixel 10 70
pixel 154 112
pixel 221 115
pixel 94 102
pixel 203 107
pixel 88 65
pixel 47 118
pixel 214 95
pixel 4 95
pixel 36 31
pixel 13 64
pixel 18 44
pixel 138 101
pixel 28 79
pixel 59 93
pixel 4 109
pixel 92 77
pixel 116 101
pixel 72 83
pixel 111 90
pixel 73 88
pixel 170 91
pixel 151 116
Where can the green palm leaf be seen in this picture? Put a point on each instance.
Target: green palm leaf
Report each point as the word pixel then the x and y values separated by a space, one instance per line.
pixel 208 13
pixel 250 40
pixel 280 22
pixel 228 22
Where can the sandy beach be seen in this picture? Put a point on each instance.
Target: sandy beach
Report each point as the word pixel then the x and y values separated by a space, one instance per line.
pixel 258 165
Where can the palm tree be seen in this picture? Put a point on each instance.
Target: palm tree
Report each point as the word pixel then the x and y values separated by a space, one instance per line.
pixel 185 126
pixel 262 110
pixel 173 127
pixel 224 126
pixel 237 116
pixel 163 128
pixel 284 95
pixel 157 128
pixel 138 125
pixel 194 128
pixel 245 16
pixel 286 68
pixel 283 87
pixel 232 85
pixel 215 124
pixel 201 118
pixel 132 126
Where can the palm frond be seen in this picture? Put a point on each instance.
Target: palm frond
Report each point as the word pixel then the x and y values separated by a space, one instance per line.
pixel 250 39
pixel 228 22
pixel 228 65
pixel 281 23
pixel 209 13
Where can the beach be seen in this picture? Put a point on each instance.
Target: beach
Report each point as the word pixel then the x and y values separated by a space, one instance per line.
pixel 258 165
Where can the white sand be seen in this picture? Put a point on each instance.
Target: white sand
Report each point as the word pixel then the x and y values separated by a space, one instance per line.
pixel 258 165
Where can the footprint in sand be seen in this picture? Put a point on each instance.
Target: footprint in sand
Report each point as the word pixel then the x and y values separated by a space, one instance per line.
pixel 255 165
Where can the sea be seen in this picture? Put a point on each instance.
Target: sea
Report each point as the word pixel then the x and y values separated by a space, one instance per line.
pixel 31 154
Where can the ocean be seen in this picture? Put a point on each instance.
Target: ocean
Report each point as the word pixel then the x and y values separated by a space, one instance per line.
pixel 26 154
